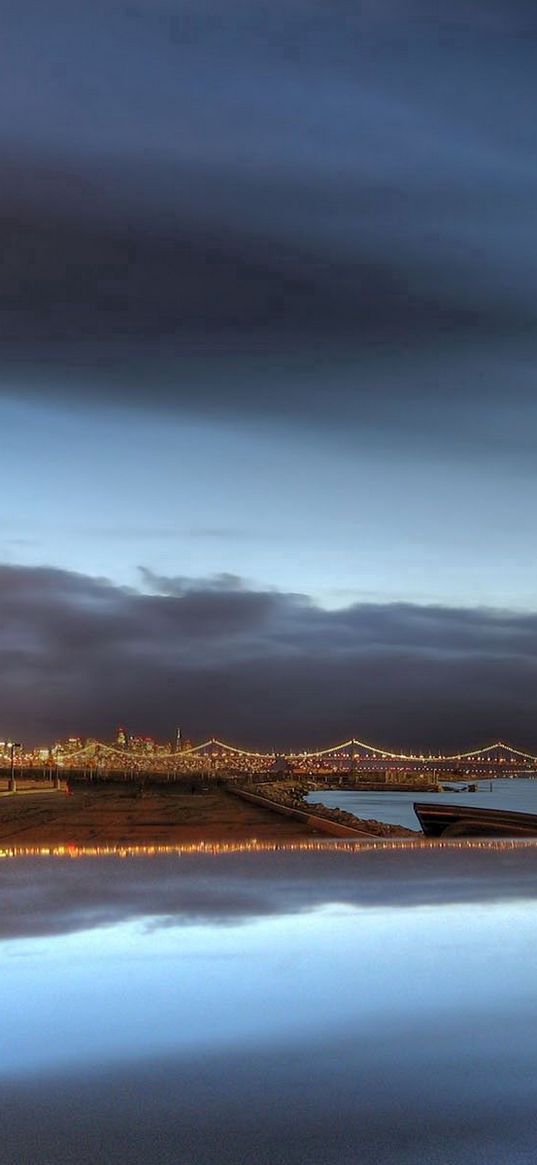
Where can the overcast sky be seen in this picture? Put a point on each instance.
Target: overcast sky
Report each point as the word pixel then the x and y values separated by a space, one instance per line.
pixel 267 310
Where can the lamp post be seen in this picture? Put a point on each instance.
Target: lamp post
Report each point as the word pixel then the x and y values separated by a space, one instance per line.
pixel 12 745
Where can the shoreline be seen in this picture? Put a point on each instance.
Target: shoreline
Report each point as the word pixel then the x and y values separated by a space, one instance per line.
pixel 132 816
pixel 290 797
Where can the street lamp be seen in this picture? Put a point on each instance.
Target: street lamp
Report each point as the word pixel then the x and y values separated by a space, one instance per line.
pixel 12 745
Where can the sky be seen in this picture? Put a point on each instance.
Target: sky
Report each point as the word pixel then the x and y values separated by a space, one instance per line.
pixel 267 320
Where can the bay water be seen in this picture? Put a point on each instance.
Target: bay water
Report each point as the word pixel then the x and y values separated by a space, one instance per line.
pixel 518 794
pixel 293 1008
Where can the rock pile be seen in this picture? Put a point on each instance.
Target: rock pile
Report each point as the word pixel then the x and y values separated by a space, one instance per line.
pixel 293 796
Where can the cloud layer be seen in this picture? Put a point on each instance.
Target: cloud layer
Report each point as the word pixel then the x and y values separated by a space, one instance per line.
pixel 264 667
pixel 286 210
pixel 200 890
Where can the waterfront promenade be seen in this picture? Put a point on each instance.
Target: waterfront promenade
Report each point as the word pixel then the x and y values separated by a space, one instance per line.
pixel 129 816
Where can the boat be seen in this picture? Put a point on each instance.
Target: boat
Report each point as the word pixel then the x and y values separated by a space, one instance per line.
pixel 438 820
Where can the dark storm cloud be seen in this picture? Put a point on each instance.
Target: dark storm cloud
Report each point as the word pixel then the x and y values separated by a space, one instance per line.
pixel 80 654
pixel 252 207
pixel 83 895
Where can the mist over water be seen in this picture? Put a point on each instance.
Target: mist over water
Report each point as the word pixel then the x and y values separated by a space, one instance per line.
pixel 285 1008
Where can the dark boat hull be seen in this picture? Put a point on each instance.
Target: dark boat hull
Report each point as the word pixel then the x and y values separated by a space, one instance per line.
pixel 440 820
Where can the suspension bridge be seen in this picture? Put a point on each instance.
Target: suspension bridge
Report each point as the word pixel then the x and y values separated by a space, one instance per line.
pixel 215 758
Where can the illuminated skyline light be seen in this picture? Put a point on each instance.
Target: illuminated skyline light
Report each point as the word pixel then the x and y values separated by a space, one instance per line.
pixel 218 749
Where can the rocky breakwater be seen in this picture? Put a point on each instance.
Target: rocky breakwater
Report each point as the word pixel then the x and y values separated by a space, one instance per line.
pixel 292 795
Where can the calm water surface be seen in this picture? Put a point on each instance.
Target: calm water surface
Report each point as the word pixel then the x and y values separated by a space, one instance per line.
pixel 284 1009
pixel 519 794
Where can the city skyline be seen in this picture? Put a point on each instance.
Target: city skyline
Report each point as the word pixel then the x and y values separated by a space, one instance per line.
pixel 125 744
pixel 267 369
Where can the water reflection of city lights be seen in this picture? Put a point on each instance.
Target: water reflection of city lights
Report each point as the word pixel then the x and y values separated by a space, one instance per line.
pixel 254 846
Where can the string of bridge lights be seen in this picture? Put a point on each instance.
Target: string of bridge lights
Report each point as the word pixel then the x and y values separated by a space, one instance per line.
pixel 213 748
